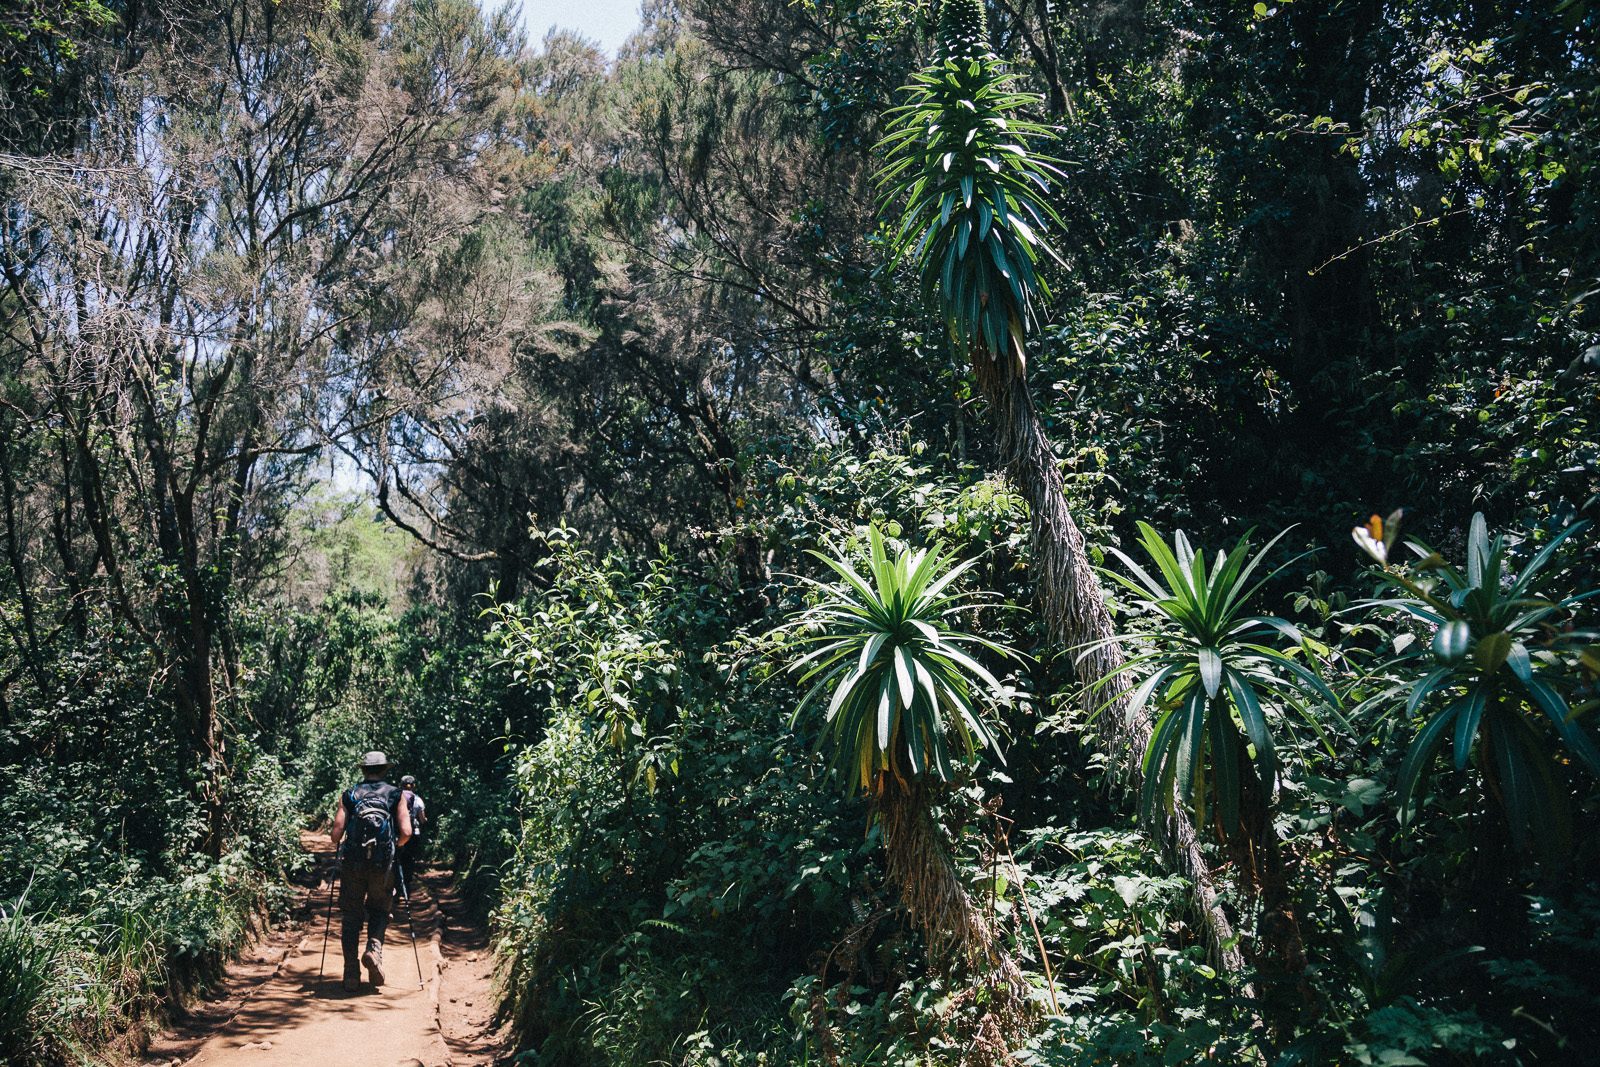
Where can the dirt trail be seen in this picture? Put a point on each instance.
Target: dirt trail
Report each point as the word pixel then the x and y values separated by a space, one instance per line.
pixel 272 1010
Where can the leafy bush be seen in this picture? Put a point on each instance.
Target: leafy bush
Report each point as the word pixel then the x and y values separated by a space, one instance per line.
pixel 642 916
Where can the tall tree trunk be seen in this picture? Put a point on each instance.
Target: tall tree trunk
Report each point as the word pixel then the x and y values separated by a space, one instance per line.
pixel 1075 615
pixel 197 699
pixel 194 631
pixel 61 528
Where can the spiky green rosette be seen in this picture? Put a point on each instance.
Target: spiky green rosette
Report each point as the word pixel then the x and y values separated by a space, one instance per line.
pixel 896 679
pixel 963 30
pixel 974 215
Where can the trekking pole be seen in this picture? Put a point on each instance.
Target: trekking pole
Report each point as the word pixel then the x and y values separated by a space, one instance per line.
pixel 327 926
pixel 411 921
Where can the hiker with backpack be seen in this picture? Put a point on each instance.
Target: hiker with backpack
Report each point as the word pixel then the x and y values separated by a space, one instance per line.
pixel 373 824
pixel 411 851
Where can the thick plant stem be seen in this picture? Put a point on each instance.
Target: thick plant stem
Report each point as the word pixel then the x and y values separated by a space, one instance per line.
pixel 1278 953
pixel 931 888
pixel 1075 615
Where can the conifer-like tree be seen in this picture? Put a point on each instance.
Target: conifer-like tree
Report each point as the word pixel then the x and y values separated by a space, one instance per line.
pixel 957 156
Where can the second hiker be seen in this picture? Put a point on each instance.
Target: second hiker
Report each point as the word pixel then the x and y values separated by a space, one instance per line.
pixel 412 850
pixel 370 829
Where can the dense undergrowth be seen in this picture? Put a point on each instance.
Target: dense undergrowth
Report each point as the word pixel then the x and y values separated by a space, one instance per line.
pixel 112 902
pixel 691 887
pixel 676 877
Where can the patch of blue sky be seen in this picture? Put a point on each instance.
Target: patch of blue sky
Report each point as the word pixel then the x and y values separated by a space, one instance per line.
pixel 605 22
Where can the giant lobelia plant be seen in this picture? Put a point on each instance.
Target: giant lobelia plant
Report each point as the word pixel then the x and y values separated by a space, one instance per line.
pixel 1498 682
pixel 1224 697
pixel 895 682
pixel 974 216
pixel 958 157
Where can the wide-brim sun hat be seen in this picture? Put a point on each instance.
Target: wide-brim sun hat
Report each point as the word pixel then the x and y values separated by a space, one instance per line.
pixel 374 759
pixel 408 780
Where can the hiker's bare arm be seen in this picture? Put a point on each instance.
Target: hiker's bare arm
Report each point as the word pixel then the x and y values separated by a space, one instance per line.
pixel 337 833
pixel 405 824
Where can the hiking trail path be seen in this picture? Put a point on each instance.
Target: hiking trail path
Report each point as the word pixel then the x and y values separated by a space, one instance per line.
pixel 272 1010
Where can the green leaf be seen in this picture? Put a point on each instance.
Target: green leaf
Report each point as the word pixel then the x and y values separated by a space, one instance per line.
pixel 1155 762
pixel 1361 794
pixel 1576 739
pixel 1194 1038
pixel 1225 769
pixel 1129 889
pixel 1451 643
pixel 1478 550
pixel 1210 670
pixel 1467 723
pixel 1435 679
pixel 1255 727
pixel 1188 758
pixel 1491 651
pixel 1517 659
pixel 1413 769
pixel 902 670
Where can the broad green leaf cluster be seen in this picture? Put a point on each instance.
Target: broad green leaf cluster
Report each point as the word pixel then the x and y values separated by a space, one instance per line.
pixel 1220 691
pixel 1505 665
pixel 898 677
pixel 976 199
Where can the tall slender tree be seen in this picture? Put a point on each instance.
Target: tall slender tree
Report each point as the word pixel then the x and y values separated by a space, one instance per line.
pixel 973 223
pixel 192 308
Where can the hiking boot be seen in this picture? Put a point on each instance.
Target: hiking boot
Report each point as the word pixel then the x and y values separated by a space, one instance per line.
pixel 372 959
pixel 352 979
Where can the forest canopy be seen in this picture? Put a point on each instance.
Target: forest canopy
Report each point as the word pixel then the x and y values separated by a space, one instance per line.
pixel 897 531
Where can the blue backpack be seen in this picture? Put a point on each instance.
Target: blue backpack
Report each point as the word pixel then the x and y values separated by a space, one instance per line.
pixel 370 833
